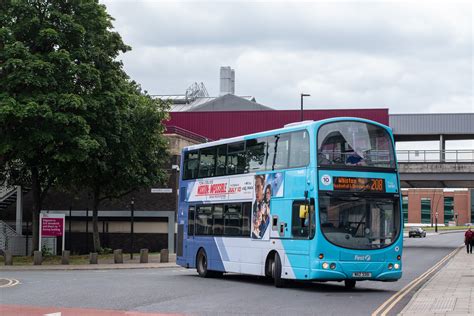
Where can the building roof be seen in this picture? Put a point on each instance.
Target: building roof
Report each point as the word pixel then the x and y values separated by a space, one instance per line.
pixel 228 102
pixel 415 127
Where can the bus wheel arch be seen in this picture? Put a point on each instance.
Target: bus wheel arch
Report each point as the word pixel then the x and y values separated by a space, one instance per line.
pixel 201 263
pixel 273 268
pixel 269 262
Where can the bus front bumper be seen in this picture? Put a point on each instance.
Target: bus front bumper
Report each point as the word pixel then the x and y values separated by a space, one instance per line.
pixel 334 275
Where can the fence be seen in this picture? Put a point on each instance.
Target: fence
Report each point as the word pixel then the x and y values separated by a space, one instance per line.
pixel 443 156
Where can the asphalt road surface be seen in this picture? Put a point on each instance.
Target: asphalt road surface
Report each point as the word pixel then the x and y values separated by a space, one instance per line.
pixel 177 290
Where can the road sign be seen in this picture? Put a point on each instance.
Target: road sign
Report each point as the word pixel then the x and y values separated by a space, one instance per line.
pixel 52 225
pixel 161 190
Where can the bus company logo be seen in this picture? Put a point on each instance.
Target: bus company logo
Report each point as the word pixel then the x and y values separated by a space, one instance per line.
pixel 326 179
pixel 362 258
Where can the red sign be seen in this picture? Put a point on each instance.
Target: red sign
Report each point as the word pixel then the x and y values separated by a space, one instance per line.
pixel 52 227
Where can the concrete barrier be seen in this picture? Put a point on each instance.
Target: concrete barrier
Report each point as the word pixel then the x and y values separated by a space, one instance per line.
pixel 8 258
pixel 65 257
pixel 164 255
pixel 37 258
pixel 143 255
pixel 93 258
pixel 118 256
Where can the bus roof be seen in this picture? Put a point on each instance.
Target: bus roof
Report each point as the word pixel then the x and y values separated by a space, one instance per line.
pixel 287 128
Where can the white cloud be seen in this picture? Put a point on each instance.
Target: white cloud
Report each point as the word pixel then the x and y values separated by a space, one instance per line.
pixel 408 56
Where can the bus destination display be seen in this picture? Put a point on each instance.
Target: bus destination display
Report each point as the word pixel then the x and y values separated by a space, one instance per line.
pixel 359 184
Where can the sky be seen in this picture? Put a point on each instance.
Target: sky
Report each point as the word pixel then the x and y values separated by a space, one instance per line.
pixel 408 56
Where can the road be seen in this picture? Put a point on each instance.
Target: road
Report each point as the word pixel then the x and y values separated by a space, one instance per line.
pixel 177 290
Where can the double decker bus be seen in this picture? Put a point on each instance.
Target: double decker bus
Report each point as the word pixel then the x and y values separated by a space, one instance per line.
pixel 310 201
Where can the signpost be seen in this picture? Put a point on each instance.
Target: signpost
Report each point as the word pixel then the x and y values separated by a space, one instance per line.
pixel 161 190
pixel 52 225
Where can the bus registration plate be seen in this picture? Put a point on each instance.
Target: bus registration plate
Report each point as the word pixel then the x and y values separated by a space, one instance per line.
pixel 361 274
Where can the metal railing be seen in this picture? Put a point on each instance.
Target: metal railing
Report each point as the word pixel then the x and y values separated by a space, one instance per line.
pixel 442 156
pixel 183 132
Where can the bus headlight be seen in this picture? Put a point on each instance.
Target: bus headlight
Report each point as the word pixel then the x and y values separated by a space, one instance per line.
pixel 325 265
pixel 396 266
pixel 390 266
pixel 332 266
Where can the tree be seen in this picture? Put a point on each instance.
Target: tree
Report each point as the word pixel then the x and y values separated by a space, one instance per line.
pixel 58 74
pixel 132 150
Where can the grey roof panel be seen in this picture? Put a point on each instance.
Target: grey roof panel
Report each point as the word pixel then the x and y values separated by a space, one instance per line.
pixel 432 124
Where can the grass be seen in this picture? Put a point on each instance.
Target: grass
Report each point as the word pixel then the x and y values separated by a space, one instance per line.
pixel 55 260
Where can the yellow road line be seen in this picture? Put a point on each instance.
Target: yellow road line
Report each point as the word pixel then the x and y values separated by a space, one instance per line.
pixel 394 299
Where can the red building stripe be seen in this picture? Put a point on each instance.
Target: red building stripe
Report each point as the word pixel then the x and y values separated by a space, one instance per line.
pixel 217 125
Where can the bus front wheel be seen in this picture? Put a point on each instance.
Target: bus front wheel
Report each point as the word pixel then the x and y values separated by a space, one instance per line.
pixel 276 271
pixel 349 284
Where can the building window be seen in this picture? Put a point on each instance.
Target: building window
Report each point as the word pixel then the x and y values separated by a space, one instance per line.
pixel 448 210
pixel 425 210
pixel 405 209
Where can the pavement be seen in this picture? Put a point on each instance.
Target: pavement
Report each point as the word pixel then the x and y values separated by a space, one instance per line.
pixel 449 292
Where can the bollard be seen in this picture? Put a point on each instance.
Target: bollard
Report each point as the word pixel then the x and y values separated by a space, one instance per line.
pixel 37 258
pixel 65 257
pixel 8 258
pixel 93 258
pixel 118 256
pixel 164 255
pixel 143 255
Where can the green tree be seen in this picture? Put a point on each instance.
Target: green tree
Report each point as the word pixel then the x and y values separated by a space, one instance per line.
pixel 132 150
pixel 61 88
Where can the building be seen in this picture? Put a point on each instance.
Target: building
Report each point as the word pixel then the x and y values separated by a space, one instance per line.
pixel 198 118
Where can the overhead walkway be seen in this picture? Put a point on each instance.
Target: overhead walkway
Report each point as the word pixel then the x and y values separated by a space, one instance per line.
pixel 436 168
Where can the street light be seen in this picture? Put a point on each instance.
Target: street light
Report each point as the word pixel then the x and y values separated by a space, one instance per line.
pixel 302 96
pixel 132 209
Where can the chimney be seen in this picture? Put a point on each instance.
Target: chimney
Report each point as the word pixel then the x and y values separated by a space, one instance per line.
pixel 227 81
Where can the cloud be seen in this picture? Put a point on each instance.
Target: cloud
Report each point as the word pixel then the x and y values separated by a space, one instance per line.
pixel 410 57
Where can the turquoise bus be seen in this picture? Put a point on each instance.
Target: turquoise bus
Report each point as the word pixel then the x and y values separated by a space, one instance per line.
pixel 314 200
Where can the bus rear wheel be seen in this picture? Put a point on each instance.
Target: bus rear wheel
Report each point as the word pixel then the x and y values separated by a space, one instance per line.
pixel 276 272
pixel 201 266
pixel 349 284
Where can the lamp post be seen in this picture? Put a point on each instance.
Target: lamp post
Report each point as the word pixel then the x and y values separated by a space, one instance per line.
pixel 132 209
pixel 302 96
pixel 436 222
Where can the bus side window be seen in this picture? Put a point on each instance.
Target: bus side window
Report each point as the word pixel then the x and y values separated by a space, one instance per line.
pixel 299 149
pixel 191 221
pixel 236 160
pixel 232 220
pixel 191 165
pixel 255 152
pixel 246 208
pixel 302 219
pixel 204 220
pixel 207 162
pixel 218 219
pixel 221 160
pixel 278 152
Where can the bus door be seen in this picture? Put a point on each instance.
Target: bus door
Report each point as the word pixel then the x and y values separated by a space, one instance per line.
pixel 189 242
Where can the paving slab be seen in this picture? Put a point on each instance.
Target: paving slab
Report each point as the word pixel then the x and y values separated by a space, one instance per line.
pixel 448 292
